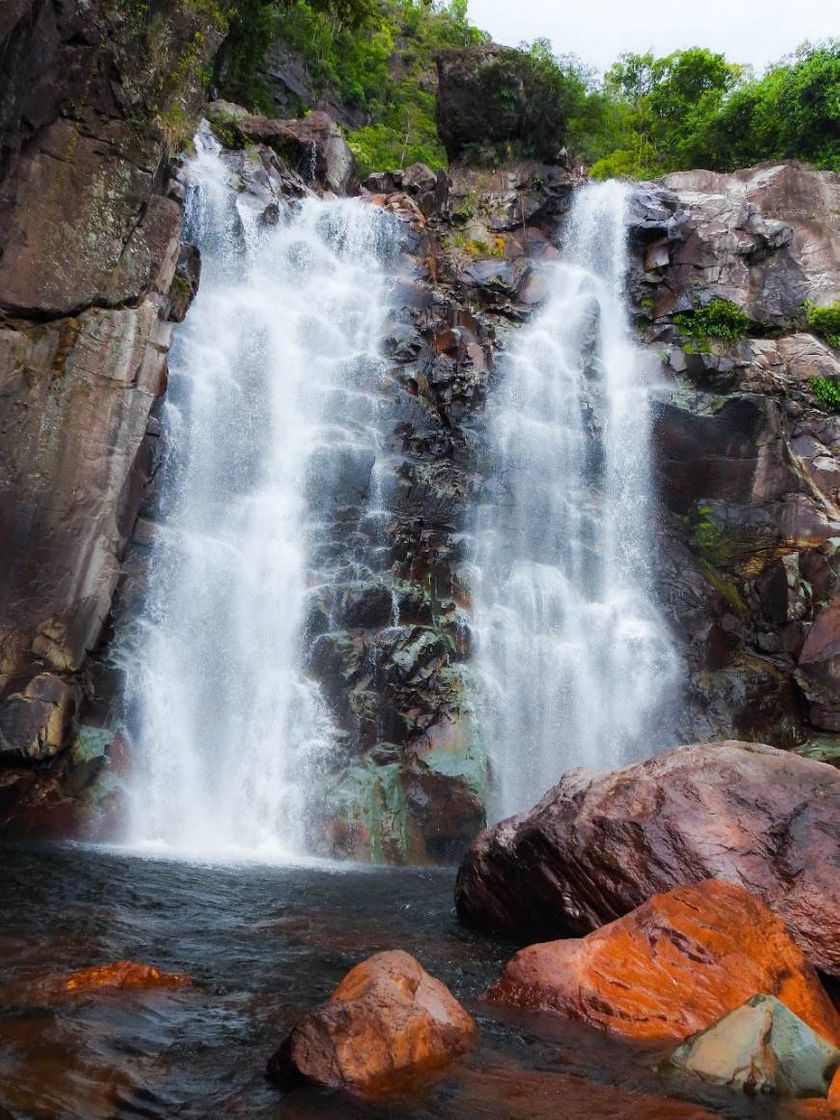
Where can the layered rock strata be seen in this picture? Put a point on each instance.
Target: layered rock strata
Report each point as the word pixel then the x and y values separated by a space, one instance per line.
pixel 600 844
pixel 93 100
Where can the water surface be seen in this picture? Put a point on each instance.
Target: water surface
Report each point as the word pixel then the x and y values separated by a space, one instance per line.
pixel 263 944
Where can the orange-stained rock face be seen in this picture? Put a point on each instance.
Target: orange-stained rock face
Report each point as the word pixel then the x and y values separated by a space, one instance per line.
pixel 672 967
pixel 834 1091
pixel 122 974
pixel 387 1019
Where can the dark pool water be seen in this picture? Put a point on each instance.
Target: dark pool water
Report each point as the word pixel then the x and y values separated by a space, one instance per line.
pixel 263 944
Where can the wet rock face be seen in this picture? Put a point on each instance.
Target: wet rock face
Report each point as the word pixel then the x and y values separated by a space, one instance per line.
pixel 672 967
pixel 387 1019
pixel 746 455
pixel 599 845
pixel 314 146
pixel 90 224
pixel 747 462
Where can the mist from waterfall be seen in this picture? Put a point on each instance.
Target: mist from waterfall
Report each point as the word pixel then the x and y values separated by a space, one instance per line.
pixel 266 407
pixel 574 662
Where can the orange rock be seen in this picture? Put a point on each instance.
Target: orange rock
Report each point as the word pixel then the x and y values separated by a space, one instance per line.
pixel 673 966
pixel 388 1018
pixel 122 974
pixel 834 1091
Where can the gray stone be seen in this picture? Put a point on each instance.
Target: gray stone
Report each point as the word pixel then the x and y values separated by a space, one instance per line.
pixel 761 1047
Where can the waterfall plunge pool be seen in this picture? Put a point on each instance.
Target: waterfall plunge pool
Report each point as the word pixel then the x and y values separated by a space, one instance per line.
pixel 263 944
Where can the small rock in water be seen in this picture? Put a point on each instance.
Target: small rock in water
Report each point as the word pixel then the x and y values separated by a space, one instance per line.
pixel 122 974
pixel 387 1019
pixel 671 968
pixel 761 1047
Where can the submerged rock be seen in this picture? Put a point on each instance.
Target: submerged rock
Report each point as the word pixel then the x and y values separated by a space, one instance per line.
pixel 671 968
pixel 600 844
pixel 122 974
pixel 387 1018
pixel 761 1047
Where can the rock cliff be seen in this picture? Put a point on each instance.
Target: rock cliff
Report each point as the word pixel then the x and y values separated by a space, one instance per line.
pixel 94 98
pixel 92 276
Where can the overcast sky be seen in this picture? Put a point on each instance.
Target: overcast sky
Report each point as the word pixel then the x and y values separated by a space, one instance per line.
pixel 747 31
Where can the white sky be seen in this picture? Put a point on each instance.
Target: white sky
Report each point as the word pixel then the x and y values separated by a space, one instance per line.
pixel 746 31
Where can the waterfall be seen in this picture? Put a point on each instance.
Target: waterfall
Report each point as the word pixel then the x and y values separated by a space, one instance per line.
pixel 575 664
pixel 268 424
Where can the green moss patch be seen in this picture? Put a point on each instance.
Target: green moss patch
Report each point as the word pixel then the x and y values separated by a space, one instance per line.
pixel 720 319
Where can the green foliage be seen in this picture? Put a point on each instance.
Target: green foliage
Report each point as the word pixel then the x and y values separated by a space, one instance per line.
pixel 658 106
pixel 792 112
pixel 708 535
pixel 313 26
pixel 719 319
pixel 825 321
pixel 827 390
pixel 695 109
pixel 647 117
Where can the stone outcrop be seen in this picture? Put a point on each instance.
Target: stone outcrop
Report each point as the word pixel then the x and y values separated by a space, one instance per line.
pixel 90 222
pixel 388 1019
pixel 313 146
pixel 760 1047
pixel 491 100
pixel 746 454
pixel 599 844
pixel 671 968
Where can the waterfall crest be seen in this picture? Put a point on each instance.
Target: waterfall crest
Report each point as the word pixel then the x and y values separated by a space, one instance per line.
pixel 261 426
pixel 575 664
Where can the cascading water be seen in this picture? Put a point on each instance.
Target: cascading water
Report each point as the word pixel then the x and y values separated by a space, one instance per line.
pixel 575 663
pixel 265 409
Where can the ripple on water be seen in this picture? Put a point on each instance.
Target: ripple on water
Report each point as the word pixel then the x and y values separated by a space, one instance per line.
pixel 262 944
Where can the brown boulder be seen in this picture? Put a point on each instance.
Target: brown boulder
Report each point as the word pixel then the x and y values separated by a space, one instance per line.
pixel 387 1018
pixel 672 967
pixel 600 844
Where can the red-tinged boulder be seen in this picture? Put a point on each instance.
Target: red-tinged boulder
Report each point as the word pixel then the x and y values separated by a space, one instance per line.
pixel 122 975
pixel 834 1091
pixel 388 1019
pixel 600 844
pixel 671 968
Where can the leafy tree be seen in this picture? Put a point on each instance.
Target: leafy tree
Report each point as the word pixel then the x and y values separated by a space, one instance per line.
pixel 662 107
pixel 792 112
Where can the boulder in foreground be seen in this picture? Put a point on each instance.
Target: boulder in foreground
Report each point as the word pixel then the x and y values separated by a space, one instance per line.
pixel 600 844
pixel 387 1019
pixel 671 968
pixel 761 1047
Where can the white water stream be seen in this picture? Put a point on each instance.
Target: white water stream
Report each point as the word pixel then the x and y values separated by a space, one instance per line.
pixel 265 414
pixel 576 665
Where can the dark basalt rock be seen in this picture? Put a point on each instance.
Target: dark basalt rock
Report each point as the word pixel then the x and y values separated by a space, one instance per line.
pixel 599 844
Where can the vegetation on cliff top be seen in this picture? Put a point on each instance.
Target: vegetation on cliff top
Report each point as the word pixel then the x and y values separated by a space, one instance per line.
pixel 646 117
